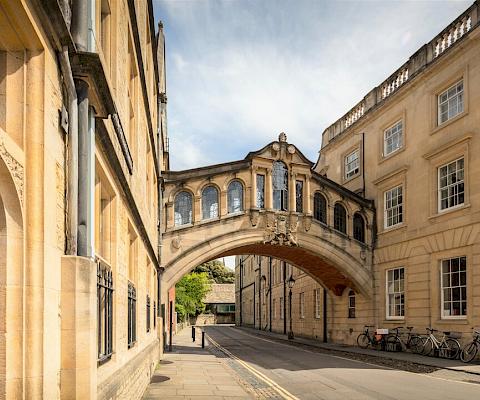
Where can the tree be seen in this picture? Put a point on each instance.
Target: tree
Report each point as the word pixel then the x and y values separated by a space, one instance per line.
pixel 216 271
pixel 189 294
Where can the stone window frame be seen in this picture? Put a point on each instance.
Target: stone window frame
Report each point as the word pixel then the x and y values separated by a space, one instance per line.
pixel 317 303
pixel 351 304
pixel 399 116
pixel 385 183
pixel 301 304
pixel 242 197
pixel 349 152
pixel 442 287
pixel 327 200
pixel 281 305
pixel 450 151
pixel 207 186
pixel 447 186
pixel 459 97
pixel 192 217
pixel 400 206
pixel 439 86
pixel 389 317
pixel 435 285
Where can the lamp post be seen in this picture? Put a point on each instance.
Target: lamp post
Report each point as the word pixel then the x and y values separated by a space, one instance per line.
pixel 290 282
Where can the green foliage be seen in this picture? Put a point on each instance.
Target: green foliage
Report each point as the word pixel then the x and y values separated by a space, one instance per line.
pixel 189 294
pixel 216 271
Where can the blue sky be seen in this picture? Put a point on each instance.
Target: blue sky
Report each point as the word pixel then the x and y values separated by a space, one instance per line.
pixel 239 71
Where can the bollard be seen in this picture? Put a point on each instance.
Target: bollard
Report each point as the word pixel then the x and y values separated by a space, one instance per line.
pixel 203 339
pixel 193 333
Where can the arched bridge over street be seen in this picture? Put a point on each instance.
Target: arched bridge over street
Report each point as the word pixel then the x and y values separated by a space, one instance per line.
pixel 271 203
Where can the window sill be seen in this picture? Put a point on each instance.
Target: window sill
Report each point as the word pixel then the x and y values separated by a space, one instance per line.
pixel 449 211
pixel 396 228
pixel 347 180
pixel 448 122
pixel 460 320
pixel 391 155
pixel 104 359
pixel 393 319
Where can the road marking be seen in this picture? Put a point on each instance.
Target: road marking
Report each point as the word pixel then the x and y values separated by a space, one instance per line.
pixel 363 362
pixel 274 385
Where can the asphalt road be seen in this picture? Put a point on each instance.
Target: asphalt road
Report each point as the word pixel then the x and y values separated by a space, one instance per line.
pixel 305 374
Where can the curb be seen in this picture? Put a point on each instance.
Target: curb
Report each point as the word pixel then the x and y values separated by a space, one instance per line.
pixel 346 350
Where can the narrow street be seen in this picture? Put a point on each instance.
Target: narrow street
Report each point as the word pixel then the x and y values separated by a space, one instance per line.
pixel 304 374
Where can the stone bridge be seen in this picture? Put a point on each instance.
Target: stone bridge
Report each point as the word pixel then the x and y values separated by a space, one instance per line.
pixel 271 203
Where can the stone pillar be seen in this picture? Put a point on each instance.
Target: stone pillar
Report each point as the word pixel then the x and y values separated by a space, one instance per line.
pixel 268 190
pixel 308 200
pixel 292 192
pixel 78 302
pixel 253 192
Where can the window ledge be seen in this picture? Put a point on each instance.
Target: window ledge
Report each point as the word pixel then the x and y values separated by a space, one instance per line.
pixel 393 319
pixel 450 121
pixel 460 320
pixel 391 155
pixel 347 180
pixel 396 228
pixel 449 211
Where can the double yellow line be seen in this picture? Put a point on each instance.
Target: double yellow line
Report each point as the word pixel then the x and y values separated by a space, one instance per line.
pixel 285 394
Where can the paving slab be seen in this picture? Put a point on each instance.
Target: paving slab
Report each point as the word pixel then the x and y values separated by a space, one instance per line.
pixel 190 372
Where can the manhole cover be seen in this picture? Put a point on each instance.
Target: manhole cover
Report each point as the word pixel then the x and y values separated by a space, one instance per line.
pixel 159 379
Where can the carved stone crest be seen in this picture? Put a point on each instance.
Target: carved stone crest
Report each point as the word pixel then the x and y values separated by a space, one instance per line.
pixel 281 231
pixel 15 168
pixel 177 242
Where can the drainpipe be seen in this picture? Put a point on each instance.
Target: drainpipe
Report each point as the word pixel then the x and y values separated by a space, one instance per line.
pixel 284 297
pixel 82 12
pixel 72 154
pixel 260 293
pixel 241 289
pixel 270 290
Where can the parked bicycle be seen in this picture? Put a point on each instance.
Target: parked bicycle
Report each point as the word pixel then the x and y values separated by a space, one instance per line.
pixel 470 350
pixel 396 341
pixel 447 347
pixel 368 338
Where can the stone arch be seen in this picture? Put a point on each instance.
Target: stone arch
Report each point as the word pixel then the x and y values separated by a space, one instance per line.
pixel 324 261
pixel 11 282
pixel 192 205
pixel 173 193
pixel 201 197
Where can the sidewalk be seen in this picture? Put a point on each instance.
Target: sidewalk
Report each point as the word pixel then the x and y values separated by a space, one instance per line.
pixel 455 365
pixel 190 372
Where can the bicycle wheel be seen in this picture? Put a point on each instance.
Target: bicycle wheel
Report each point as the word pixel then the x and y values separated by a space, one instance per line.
pixel 427 348
pixel 453 348
pixel 416 344
pixel 363 341
pixel 393 343
pixel 469 352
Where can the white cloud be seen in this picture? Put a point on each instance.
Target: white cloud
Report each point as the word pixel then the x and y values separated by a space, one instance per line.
pixel 241 72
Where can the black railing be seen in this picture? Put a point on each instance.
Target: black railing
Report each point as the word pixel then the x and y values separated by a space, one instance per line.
pixel 132 315
pixel 104 311
pixel 148 313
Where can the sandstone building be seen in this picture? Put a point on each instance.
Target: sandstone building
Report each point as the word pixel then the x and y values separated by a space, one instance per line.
pixel 82 144
pixel 410 146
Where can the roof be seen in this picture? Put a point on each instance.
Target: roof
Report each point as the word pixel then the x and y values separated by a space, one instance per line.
pixel 221 293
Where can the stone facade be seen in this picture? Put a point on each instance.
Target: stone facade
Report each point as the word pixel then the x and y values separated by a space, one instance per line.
pixel 409 146
pixel 82 145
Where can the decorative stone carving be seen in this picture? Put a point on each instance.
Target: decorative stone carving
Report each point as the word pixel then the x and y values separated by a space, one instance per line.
pixel 176 243
pixel 291 149
pixel 15 168
pixel 282 137
pixel 276 146
pixel 307 223
pixel 281 231
pixel 254 216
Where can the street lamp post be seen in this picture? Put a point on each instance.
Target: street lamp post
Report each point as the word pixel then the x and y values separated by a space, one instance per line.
pixel 290 282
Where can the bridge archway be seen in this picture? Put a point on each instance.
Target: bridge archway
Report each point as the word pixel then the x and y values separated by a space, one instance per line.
pixel 292 233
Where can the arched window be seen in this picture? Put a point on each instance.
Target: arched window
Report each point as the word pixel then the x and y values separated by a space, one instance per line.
pixel 235 197
pixel 340 218
pixel 183 208
pixel 351 304
pixel 280 186
pixel 358 228
pixel 320 207
pixel 209 202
